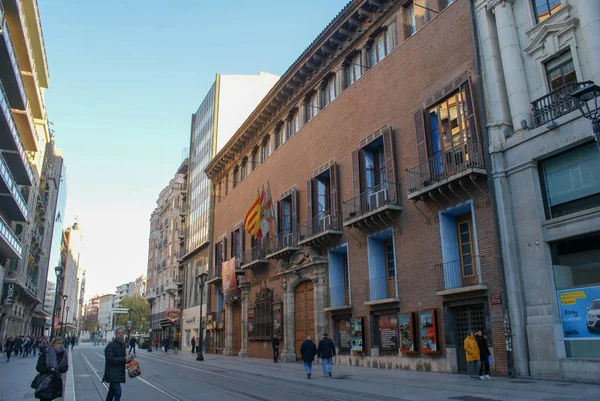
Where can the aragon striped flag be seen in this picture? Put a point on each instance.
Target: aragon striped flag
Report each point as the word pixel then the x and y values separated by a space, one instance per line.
pixel 252 219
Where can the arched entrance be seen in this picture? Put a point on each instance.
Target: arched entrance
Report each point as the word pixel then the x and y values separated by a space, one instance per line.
pixel 304 308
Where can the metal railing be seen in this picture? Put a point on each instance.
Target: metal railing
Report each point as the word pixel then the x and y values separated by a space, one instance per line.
pixel 28 284
pixel 253 254
pixel 9 236
pixel 322 222
pixel 13 59
pixel 372 199
pixel 282 240
pixel 215 272
pixel 380 288
pixel 458 273
pixel 338 295
pixel 555 104
pixel 13 187
pixel 468 154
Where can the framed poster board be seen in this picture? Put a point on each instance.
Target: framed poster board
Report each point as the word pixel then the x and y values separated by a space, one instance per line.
pixel 387 331
pixel 344 335
pixel 428 331
pixel 277 320
pixel 251 331
pixel 357 334
pixel 406 329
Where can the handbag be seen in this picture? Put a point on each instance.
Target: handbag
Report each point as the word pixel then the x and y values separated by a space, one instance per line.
pixel 41 390
pixel 133 369
pixel 490 360
pixel 37 380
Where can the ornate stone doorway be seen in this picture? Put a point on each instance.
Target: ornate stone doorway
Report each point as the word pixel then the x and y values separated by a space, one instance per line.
pixel 304 314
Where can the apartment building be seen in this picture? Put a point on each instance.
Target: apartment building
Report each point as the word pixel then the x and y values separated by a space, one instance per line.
pixel 139 286
pixel 535 54
pixel 25 133
pixel 227 104
pixel 105 314
pixel 72 276
pixel 122 291
pixel 373 146
pixel 163 277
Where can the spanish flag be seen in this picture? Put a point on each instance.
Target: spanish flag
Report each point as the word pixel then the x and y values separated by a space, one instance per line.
pixel 252 219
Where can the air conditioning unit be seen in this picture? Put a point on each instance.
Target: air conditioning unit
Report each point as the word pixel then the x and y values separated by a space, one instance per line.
pixel 287 240
pixel 378 199
pixel 325 222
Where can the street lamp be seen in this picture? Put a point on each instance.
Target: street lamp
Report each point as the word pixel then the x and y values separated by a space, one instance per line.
pixel 200 278
pixel 62 326
pixel 58 270
pixel 129 325
pixel 151 302
pixel 67 319
pixel 582 97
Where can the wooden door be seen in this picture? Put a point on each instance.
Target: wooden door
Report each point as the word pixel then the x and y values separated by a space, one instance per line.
pixel 237 329
pixel 304 306
pixel 465 248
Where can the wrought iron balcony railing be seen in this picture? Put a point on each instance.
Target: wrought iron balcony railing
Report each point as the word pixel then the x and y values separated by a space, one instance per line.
pixel 253 254
pixel 381 288
pixel 371 200
pixel 555 104
pixel 338 295
pixel 320 224
pixel 285 239
pixel 459 273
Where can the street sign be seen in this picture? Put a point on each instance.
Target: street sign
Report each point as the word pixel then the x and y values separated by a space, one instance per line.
pixel 129 323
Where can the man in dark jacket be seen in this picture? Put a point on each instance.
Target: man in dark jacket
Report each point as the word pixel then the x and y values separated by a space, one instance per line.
pixel 132 345
pixel 326 352
pixel 275 345
pixel 115 359
pixel 308 350
pixel 484 355
pixel 193 345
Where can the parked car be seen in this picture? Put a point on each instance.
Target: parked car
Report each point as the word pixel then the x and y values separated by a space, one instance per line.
pixel 593 316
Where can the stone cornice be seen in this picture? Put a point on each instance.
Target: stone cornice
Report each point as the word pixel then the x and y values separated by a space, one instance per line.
pixel 557 25
pixel 492 4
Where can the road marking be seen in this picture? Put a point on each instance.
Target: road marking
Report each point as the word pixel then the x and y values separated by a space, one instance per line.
pixel 94 370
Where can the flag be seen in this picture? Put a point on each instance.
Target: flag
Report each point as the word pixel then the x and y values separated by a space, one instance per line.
pixel 267 203
pixel 252 219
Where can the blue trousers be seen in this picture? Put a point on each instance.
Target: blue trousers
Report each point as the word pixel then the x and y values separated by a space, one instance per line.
pixel 308 367
pixel 114 392
pixel 327 365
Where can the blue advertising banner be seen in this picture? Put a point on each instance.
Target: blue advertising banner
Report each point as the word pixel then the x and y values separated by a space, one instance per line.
pixel 580 313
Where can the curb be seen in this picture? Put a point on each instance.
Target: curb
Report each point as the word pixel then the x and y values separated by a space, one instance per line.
pixel 69 386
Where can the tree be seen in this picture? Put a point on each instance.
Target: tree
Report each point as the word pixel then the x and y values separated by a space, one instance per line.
pixel 139 312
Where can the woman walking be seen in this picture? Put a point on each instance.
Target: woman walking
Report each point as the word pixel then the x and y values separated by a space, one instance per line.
pixel 8 347
pixel 53 361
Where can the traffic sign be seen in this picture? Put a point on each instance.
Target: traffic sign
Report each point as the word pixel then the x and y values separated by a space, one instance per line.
pixel 129 323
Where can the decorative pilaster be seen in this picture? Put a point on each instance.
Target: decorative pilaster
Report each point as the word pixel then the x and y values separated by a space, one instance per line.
pixel 320 291
pixel 364 58
pixel 340 79
pixel 245 290
pixel 512 62
pixel 228 351
pixel 289 352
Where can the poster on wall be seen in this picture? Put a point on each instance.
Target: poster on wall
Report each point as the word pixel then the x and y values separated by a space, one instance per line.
pixel 344 336
pixel 406 330
pixel 580 313
pixel 427 331
pixel 250 322
pixel 230 289
pixel 358 334
pixel 277 320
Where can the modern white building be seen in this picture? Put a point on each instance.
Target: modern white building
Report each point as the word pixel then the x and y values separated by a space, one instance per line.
pixel 546 172
pixel 105 305
pixel 124 290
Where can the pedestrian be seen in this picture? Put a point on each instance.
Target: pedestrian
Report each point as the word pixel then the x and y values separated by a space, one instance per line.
pixel 472 352
pixel 115 359
pixel 9 347
pixel 18 344
pixel 275 345
pixel 326 352
pixel 53 361
pixel 175 346
pixel 36 345
pixel 308 350
pixel 26 347
pixel 73 340
pixel 193 345
pixel 165 345
pixel 156 341
pixel 132 345
pixel 484 355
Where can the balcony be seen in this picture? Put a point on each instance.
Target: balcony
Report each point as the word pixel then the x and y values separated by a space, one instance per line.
pixel 282 245
pixel 10 142
pixel 26 127
pixel 11 199
pixel 439 172
pixel 37 239
pixel 10 246
pixel 10 71
pixel 214 275
pixel 371 207
pixel 42 201
pixel 555 104
pixel 254 257
pixel 457 278
pixel 321 230
pixel 381 290
pixel 338 299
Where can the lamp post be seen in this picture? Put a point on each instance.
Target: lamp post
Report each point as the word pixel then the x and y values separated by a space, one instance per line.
pixel 200 278
pixel 67 319
pixel 58 271
pixel 582 98
pixel 151 302
pixel 62 326
pixel 129 325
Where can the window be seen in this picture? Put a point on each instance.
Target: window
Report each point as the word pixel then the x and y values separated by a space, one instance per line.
pixel 571 181
pixel 543 9
pixel 382 44
pixel 328 91
pixel 410 23
pixel 255 158
pixel 353 69
pixel 287 214
pixel 293 123
pixel 278 136
pixel 264 150
pixel 287 210
pixel 243 169
pixel 236 243
pixel 382 266
pixel 234 176
pixel 560 71
pixel 374 164
pixel 390 263
pixel 312 106
pixel 322 200
pixel 339 279
pixel 465 248
pixel 263 315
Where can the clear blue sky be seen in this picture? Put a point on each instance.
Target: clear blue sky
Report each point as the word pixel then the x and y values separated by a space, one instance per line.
pixel 125 77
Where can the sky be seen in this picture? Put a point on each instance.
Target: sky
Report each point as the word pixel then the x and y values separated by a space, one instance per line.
pixel 125 78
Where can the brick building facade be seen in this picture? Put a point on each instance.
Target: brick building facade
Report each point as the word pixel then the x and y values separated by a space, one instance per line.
pixel 372 147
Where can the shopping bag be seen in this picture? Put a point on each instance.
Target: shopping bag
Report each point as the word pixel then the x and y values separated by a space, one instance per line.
pixel 133 368
pixel 37 380
pixel 490 360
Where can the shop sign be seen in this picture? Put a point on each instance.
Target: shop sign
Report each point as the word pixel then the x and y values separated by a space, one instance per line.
pixel 580 313
pixel 358 334
pixel 173 314
pixel 9 294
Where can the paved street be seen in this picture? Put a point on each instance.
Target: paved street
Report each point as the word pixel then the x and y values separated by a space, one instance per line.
pixel 179 377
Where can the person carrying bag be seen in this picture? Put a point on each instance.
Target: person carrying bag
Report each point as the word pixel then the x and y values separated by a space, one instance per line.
pixel 52 363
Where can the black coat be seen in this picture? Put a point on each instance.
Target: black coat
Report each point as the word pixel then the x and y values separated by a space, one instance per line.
pixel 326 348
pixel 114 362
pixel 484 351
pixel 55 390
pixel 308 349
pixel 275 343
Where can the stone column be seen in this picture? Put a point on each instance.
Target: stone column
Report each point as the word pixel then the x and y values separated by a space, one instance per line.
pixel 512 63
pixel 289 352
pixel 364 58
pixel 245 287
pixel 228 351
pixel 340 79
pixel 320 292
pixel 589 19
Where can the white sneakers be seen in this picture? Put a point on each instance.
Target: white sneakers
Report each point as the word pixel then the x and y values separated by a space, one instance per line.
pixel 485 377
